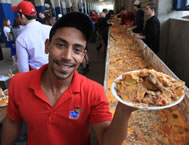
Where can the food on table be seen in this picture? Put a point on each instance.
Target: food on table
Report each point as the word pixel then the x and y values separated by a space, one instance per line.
pixel 160 127
pixel 10 75
pixel 6 92
pixel 3 97
pixel 1 93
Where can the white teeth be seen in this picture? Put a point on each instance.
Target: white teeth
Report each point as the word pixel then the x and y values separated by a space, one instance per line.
pixel 65 66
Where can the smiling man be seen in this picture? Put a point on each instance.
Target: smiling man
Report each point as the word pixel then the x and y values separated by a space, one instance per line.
pixel 58 104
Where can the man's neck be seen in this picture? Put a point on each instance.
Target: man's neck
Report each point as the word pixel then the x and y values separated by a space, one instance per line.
pixel 30 21
pixel 49 81
pixel 153 14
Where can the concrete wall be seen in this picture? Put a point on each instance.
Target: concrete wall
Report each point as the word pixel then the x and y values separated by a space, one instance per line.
pixel 178 48
pixel 164 13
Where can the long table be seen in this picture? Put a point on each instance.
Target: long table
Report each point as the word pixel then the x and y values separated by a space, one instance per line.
pixel 168 126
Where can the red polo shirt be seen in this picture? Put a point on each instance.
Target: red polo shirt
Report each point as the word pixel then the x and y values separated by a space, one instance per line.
pixel 67 123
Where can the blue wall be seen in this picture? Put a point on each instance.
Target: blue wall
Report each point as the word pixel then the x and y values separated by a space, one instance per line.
pixel 6 12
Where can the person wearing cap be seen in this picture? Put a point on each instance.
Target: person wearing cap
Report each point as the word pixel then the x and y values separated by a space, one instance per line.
pixel 41 16
pixel 58 104
pixel 151 33
pixel 30 44
pixel 139 17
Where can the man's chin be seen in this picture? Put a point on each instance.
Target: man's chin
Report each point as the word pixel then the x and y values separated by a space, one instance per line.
pixel 63 76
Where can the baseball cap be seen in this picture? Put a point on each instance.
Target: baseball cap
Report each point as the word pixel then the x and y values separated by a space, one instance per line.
pixel 76 20
pixel 26 8
pixel 136 2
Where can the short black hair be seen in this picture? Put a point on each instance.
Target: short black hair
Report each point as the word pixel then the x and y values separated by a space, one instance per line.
pixel 28 17
pixel 152 6
pixel 76 20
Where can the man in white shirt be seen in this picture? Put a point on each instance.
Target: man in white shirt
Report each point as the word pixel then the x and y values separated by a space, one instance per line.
pixel 30 44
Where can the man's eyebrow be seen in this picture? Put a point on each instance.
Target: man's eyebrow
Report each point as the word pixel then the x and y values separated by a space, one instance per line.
pixel 79 45
pixel 64 41
pixel 60 39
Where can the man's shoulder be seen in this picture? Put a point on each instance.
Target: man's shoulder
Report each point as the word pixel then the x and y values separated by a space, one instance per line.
pixel 154 19
pixel 140 11
pixel 46 26
pixel 88 83
pixel 6 28
pixel 23 77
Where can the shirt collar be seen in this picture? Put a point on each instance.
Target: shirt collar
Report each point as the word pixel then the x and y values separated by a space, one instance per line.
pixel 35 82
pixel 31 24
pixel 76 81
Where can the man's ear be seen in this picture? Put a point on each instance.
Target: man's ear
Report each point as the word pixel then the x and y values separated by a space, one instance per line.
pixel 85 52
pixel 83 55
pixel 47 46
pixel 22 16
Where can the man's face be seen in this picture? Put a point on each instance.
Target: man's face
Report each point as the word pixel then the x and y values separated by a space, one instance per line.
pixel 148 10
pixel 134 7
pixel 8 22
pixel 66 52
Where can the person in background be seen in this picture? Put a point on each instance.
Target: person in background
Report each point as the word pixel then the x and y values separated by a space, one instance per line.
pixel 16 28
pixel 109 14
pixel 74 7
pixel 102 28
pixel 58 104
pixel 139 17
pixel 49 20
pixel 127 18
pixel 30 45
pixel 151 34
pixel 41 17
pixel 8 36
pixel 103 13
pixel 94 16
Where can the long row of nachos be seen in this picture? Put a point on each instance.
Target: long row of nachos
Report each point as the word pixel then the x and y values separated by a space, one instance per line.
pixel 164 127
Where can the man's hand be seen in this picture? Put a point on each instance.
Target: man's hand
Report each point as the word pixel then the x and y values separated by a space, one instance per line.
pixel 114 133
pixel 139 36
pixel 126 109
pixel 10 131
pixel 131 28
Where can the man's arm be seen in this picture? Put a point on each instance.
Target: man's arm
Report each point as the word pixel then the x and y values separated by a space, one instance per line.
pixel 22 57
pixel 114 133
pixel 10 131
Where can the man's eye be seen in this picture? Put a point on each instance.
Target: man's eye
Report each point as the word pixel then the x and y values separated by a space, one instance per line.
pixel 60 45
pixel 78 50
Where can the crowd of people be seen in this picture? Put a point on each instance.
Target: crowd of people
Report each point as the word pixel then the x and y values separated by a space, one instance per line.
pixel 57 103
pixel 149 32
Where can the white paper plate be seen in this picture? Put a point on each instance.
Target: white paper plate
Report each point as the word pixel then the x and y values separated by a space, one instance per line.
pixel 141 105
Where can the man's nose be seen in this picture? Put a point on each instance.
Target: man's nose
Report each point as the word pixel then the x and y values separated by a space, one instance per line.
pixel 67 53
